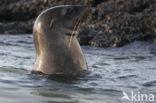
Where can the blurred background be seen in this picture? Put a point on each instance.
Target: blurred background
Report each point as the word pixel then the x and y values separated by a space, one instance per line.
pixel 112 22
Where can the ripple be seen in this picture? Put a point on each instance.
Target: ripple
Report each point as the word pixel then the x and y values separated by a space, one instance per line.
pixel 149 84
pixel 24 42
pixel 9 88
pixel 10 69
pixel 128 86
pixel 152 68
pixel 59 102
pixel 7 81
pixel 127 76
pixel 122 58
pixel 3 54
pixel 86 89
pixel 130 70
pixel 7 44
pixel 27 57
pixel 54 95
pixel 112 92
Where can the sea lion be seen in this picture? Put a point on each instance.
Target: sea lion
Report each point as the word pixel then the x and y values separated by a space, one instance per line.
pixel 57 48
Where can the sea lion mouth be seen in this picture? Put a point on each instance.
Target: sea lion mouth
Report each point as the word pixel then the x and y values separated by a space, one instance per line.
pixel 76 28
pixel 83 18
pixel 74 31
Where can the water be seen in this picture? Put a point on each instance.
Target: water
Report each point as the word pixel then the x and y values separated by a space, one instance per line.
pixel 111 71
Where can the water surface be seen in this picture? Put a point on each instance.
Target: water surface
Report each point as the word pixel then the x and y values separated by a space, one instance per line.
pixel 111 71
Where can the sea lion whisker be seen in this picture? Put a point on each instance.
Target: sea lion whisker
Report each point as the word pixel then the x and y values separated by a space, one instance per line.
pixel 73 31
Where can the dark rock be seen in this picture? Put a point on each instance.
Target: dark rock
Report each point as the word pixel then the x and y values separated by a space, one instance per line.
pixel 123 21
pixel 86 35
pixel 16 27
pixel 112 22
pixel 23 10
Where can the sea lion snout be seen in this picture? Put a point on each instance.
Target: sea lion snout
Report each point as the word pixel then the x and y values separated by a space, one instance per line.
pixel 76 17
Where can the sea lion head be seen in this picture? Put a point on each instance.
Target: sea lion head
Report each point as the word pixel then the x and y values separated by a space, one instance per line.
pixel 66 18
pixel 57 49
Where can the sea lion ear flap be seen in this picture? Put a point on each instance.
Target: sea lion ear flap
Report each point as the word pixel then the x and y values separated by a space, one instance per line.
pixel 52 20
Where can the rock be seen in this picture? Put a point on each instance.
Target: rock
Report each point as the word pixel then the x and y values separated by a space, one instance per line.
pixel 122 22
pixel 16 27
pixel 112 22
pixel 17 16
pixel 23 10
pixel 86 34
